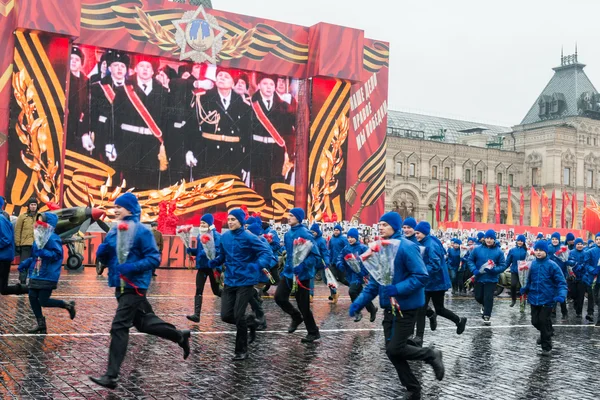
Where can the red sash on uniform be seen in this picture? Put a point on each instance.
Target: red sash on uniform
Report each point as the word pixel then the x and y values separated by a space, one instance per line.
pixel 109 92
pixel 266 123
pixel 143 111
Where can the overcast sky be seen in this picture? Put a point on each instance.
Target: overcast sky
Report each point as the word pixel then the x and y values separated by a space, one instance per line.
pixel 479 60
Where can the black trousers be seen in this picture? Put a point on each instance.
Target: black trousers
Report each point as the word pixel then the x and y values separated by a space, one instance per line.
pixel 578 293
pixel 24 254
pixel 282 298
pixel 340 276
pixel 234 301
pixel 591 299
pixel 540 318
pixel 515 285
pixel 355 290
pixel 134 310
pixel 5 288
pixel 396 330
pixel 201 276
pixel 437 298
pixel 39 298
pixel 484 295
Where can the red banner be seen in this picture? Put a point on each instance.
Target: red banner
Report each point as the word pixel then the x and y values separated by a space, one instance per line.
pixel 563 211
pixel 584 208
pixel 521 206
pixel 446 213
pixel 535 208
pixel 574 211
pixel 509 212
pixel 486 205
pixel 458 211
pixel 438 205
pixel 497 205
pixel 545 210
pixel 553 216
pixel 473 202
pixel 518 229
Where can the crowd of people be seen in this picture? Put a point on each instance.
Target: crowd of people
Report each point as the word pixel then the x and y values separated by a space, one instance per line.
pixel 425 265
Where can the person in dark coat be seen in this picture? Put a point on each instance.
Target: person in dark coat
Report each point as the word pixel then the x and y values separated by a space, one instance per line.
pixel 256 302
pixel 454 263
pixel 244 255
pixel 437 286
pixel 576 264
pixel 337 242
pixel 303 272
pixel 516 254
pixel 44 268
pixel 131 280
pixel 158 237
pixel 7 254
pixel 356 279
pixel 207 226
pixel 409 229
pixel 487 262
pixel 545 287
pixel 78 122
pixel 408 288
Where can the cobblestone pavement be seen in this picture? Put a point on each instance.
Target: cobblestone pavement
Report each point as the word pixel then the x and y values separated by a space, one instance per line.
pixel 501 361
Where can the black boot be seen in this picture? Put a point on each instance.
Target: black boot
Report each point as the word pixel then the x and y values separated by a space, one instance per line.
pixel 513 302
pixel 197 308
pixel 105 381
pixel 41 327
pixel 184 343
pixel 70 307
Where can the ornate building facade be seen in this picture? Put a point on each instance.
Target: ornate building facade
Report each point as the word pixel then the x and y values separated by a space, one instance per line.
pixel 555 147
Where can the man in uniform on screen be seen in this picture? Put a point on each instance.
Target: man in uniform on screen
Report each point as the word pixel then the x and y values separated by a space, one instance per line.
pixel 101 140
pixel 272 123
pixel 78 121
pixel 139 104
pixel 225 144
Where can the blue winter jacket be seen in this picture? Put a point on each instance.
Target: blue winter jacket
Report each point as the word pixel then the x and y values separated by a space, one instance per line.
pixel 546 281
pixel 592 255
pixel 272 262
pixel 413 239
pixel 323 250
pixel 310 262
pixel 553 249
pixel 200 254
pixel 352 277
pixel 410 278
pixel 433 257
pixel 336 245
pixel 7 239
pixel 453 259
pixel 515 255
pixel 275 243
pixel 480 256
pixel 51 255
pixel 244 256
pixel 144 255
pixel 577 263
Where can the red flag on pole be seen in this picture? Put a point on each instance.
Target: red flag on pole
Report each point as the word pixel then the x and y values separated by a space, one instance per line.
pixel 473 202
pixel 497 205
pixel 574 211
pixel 437 205
pixel 553 216
pixel 458 211
pixel 446 213
pixel 486 205
pixel 509 210
pixel 521 206
pixel 583 213
pixel 535 207
pixel 545 210
pixel 563 211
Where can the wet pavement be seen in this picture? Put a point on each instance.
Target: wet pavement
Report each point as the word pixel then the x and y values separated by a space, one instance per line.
pixel 501 361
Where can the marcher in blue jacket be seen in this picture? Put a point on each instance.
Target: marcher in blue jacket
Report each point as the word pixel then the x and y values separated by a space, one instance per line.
pixel 256 301
pixel 276 247
pixel 454 264
pixel 7 254
pixel 592 259
pixel 408 289
pixel 355 279
pixel 131 280
pixel 315 230
pixel 44 267
pixel 336 244
pixel 545 287
pixel 516 254
pixel 244 256
pixel 304 272
pixel 486 262
pixel 577 264
pixel 203 272
pixel 553 246
pixel 437 286
pixel 409 229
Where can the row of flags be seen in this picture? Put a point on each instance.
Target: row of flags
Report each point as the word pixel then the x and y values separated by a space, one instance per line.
pixel 543 208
